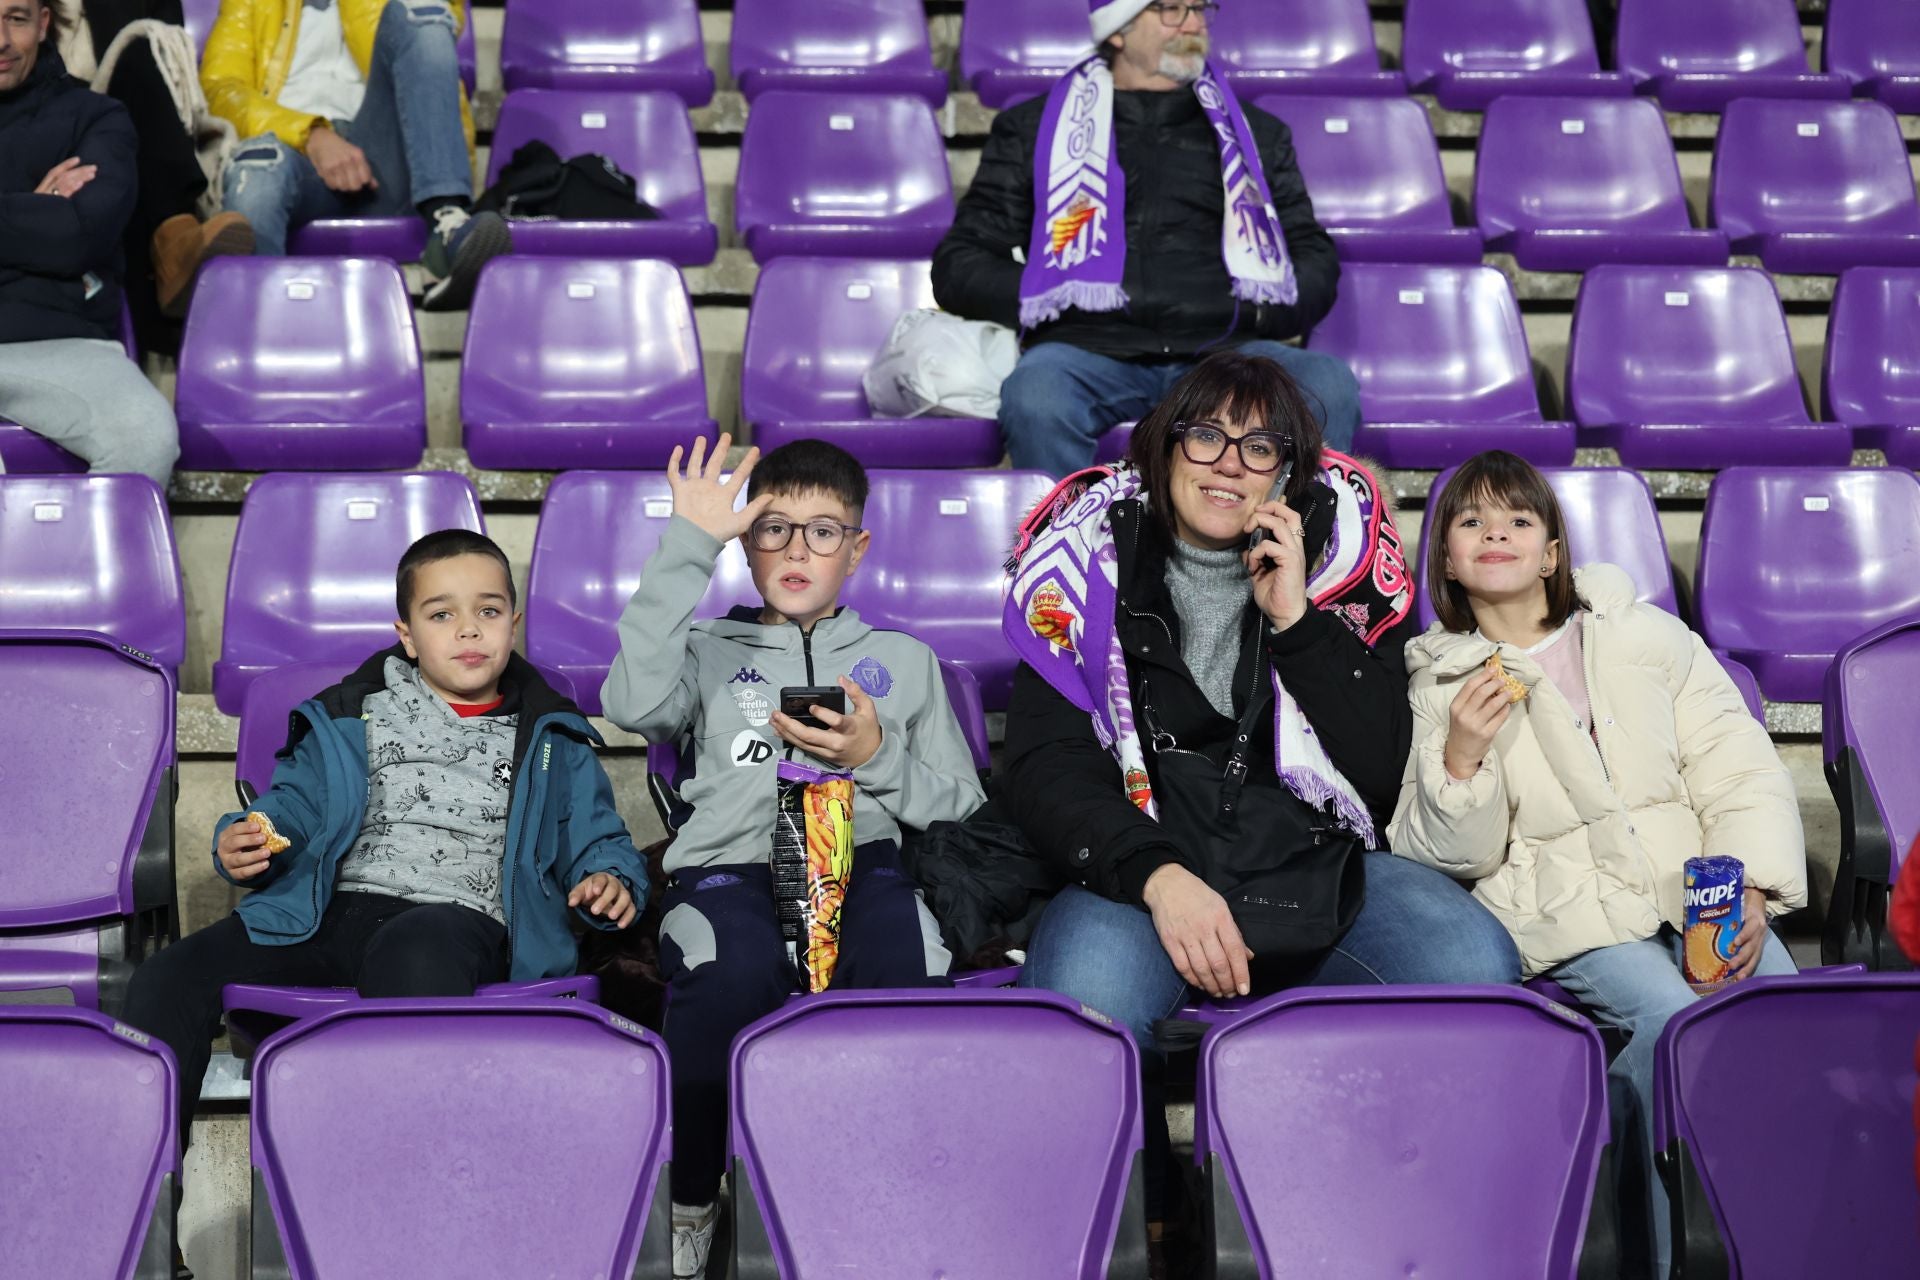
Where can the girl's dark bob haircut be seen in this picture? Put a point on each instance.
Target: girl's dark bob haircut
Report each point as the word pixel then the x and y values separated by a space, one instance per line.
pixel 1495 478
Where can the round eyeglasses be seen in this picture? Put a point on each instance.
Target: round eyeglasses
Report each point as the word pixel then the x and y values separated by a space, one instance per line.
pixel 1175 15
pixel 1205 444
pixel 823 537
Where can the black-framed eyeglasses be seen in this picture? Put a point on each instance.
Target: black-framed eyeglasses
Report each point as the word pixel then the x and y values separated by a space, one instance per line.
pixel 1205 444
pixel 824 537
pixel 1175 15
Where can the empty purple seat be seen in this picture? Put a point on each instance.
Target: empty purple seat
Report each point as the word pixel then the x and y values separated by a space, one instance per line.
pixel 1469 52
pixel 1566 184
pixel 1012 50
pixel 955 1090
pixel 814 327
pixel 401 239
pixel 308 364
pixel 649 136
pixel 1373 170
pixel 1304 46
pixel 92 553
pixel 311 578
pixel 614 380
pixel 520 1195
pixel 1442 360
pixel 606 44
pixel 1796 563
pixel 1610 517
pixel 1815 187
pixel 1876 45
pixel 1828 1188
pixel 1691 367
pixel 1871 381
pixel 266 710
pixel 255 1011
pixel 857 177
pixel 1484 1109
pixel 91 1145
pixel 835 46
pixel 1700 55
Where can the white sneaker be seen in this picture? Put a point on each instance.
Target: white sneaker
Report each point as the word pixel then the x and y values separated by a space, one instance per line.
pixel 693 1238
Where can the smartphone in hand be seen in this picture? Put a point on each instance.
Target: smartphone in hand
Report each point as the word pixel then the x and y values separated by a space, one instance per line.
pixel 1275 494
pixel 798 701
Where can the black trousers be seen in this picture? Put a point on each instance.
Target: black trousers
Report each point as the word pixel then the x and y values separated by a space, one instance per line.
pixel 379 945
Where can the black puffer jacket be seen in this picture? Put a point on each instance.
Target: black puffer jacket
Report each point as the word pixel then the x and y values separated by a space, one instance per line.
pixel 60 261
pixel 1179 293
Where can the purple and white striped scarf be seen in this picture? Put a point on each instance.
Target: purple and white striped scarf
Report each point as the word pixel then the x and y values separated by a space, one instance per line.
pixel 1078 253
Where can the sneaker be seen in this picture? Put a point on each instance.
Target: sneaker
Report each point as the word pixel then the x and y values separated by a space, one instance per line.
pixel 693 1239
pixel 462 242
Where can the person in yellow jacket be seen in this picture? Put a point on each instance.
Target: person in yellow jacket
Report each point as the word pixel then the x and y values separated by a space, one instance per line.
pixel 352 108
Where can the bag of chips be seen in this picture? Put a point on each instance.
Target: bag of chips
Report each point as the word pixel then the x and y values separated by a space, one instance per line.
pixel 812 861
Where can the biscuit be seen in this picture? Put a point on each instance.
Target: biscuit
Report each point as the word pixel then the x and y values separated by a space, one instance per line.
pixel 1516 692
pixel 276 843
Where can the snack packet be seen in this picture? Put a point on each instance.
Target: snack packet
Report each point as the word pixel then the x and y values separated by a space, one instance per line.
pixel 812 861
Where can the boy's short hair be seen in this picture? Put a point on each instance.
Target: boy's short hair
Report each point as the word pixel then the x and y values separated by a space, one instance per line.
pixel 445 544
pixel 807 466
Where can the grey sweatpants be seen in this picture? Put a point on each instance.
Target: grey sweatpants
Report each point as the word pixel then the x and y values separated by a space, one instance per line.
pixel 87 397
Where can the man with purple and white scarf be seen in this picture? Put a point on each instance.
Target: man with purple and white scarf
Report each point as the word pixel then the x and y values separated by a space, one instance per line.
pixel 1133 219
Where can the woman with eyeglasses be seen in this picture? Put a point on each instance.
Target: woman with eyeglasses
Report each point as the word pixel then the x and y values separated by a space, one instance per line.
pixel 1209 724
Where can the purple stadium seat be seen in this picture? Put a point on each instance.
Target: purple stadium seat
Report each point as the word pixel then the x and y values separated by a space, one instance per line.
pixel 1373 169
pixel 835 46
pixel 1700 55
pixel 1826 1186
pixel 1610 517
pixel 1745 681
pixel 1469 52
pixel 649 136
pixel 399 239
pixel 23 452
pixel 1796 563
pixel 947 1095
pixel 92 553
pixel 596 531
pixel 92 1152
pixel 1566 184
pixel 614 380
pixel 311 577
pixel 1443 366
pixel 1871 380
pixel 1815 187
pixel 857 177
pixel 1012 50
pixel 814 327
pixel 307 364
pixel 1304 46
pixel 1876 45
pixel 255 1011
pixel 1691 367
pixel 606 44
pixel 200 16
pixel 933 569
pixel 1403 1131
pixel 963 695
pixel 543 1187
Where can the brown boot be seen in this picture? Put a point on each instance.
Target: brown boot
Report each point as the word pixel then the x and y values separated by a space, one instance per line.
pixel 182 243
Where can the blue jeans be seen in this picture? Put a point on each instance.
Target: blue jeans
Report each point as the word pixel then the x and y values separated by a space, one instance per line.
pixel 1059 400
pixel 1637 986
pixel 408 126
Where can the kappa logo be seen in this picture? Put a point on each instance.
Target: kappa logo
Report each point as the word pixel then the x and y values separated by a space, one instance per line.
pixel 747 675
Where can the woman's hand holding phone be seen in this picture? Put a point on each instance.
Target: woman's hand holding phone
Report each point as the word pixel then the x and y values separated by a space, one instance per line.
pixel 1277 556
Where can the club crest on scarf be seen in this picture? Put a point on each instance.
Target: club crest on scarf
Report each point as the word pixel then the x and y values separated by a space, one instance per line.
pixel 1048 616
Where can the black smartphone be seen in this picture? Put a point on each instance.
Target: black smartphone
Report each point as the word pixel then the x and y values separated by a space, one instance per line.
pixel 798 701
pixel 1275 494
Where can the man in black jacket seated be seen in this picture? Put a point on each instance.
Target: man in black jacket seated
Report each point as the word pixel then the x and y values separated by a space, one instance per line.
pixel 1086 370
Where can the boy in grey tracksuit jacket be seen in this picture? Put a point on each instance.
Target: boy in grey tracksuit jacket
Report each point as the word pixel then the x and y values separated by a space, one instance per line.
pixel 716 685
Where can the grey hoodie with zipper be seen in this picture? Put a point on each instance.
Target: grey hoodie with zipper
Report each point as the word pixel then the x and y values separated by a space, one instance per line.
pixel 717 683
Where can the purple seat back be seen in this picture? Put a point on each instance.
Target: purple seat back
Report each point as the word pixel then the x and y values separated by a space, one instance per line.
pixel 1610 517
pixel 615 379
pixel 1310 1103
pixel 1012 50
pixel 834 46
pixel 596 531
pixel 1783 167
pixel 1828 1188
pixel 963 695
pixel 92 553
pixel 447 1196
pixel 1868 709
pixel 954 1089
pixel 311 577
pixel 1313 46
pixel 647 134
pixel 200 16
pixel 1748 685
pixel 1470 51
pixel 1700 55
pixel 1794 563
pixel 1875 44
pixel 815 326
pixel 267 708
pixel 606 44
pixel 300 364
pixel 1871 379
pixel 89 1132
pixel 860 176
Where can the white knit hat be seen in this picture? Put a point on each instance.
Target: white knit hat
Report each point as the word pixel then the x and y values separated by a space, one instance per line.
pixel 1111 15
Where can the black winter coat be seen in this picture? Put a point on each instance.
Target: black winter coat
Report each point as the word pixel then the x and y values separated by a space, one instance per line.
pixel 1180 296
pixel 60 260
pixel 1064 789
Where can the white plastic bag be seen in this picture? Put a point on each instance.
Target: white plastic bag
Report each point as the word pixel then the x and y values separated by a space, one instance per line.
pixel 938 365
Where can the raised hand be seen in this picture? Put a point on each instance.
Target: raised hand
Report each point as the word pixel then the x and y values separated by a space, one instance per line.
pixel 704 498
pixel 1478 711
pixel 1278 565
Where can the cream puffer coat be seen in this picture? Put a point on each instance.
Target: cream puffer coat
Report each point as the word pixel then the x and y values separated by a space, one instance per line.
pixel 1575 848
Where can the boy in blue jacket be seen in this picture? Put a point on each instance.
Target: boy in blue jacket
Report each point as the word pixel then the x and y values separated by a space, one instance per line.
pixel 443 809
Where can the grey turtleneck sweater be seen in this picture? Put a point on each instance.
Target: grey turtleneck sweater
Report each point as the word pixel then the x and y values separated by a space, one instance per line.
pixel 1210 593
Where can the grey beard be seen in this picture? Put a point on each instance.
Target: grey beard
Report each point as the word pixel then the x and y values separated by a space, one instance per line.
pixel 1183 68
